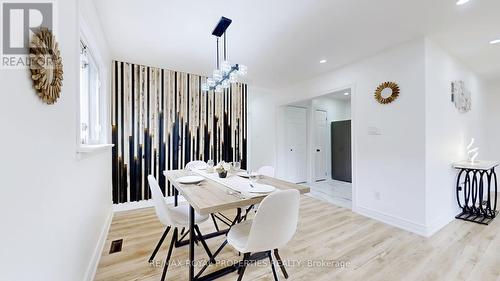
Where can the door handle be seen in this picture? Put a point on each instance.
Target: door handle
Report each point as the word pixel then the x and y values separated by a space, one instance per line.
pixel 318 150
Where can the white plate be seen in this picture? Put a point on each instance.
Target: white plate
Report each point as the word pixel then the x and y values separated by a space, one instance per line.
pixel 246 174
pixel 261 188
pixel 190 179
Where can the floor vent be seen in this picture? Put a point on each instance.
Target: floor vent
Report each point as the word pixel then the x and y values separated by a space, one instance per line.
pixel 116 246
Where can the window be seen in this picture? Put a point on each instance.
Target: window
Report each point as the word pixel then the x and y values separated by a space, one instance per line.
pixel 91 105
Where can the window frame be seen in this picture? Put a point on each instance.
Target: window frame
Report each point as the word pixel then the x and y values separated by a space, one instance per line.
pixel 103 94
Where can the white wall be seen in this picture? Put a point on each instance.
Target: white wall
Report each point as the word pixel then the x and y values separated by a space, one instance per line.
pixel 389 176
pixel 448 132
pixel 54 206
pixel 262 128
pixel 403 176
pixel 493 120
pixel 336 109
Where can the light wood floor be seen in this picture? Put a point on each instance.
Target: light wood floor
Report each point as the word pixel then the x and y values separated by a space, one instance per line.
pixel 372 250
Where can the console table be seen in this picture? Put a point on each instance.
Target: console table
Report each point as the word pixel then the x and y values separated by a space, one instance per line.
pixel 477 191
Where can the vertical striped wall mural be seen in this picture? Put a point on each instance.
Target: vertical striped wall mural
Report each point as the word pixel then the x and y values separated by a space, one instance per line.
pixel 161 120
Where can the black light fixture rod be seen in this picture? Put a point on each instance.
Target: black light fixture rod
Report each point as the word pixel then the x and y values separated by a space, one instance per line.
pixel 217 52
pixel 225 57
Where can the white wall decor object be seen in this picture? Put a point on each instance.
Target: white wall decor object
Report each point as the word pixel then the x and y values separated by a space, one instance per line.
pixel 472 152
pixel 461 96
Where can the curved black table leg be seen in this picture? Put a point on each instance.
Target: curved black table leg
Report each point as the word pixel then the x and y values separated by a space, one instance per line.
pixel 474 195
pixel 491 204
pixel 494 209
pixel 480 192
pixel 459 188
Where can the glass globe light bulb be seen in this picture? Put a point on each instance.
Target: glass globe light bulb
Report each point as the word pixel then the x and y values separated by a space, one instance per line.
pixel 233 77
pixel 226 67
pixel 205 87
pixel 217 75
pixel 218 89
pixel 242 69
pixel 210 82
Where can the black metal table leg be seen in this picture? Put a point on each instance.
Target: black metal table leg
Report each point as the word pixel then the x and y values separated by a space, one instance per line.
pixel 208 262
pixel 183 242
pixel 221 232
pixel 491 205
pixel 477 184
pixel 494 208
pixel 176 197
pixel 191 243
pixel 232 268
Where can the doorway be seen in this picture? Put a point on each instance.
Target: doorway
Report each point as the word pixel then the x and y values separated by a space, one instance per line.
pixel 318 146
pixel 320 131
pixel 341 150
pixel 296 144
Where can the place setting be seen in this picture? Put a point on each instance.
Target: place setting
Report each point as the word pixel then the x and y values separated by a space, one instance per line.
pixel 190 179
pixel 240 183
pixel 243 181
pixel 254 186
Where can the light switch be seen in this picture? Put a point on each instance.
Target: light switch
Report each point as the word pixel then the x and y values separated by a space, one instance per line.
pixel 374 131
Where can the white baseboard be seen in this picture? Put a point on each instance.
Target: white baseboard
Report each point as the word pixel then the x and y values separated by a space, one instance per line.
pixel 439 223
pixel 132 205
pixel 398 222
pixel 142 204
pixel 443 219
pixel 96 256
pixel 417 228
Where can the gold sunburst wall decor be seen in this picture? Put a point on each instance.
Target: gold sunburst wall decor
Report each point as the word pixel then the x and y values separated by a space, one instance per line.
pixel 387 92
pixel 46 66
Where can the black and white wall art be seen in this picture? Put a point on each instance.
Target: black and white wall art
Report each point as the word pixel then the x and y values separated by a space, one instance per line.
pixel 161 120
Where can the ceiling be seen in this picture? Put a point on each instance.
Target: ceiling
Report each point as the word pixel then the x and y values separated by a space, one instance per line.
pixel 282 41
pixel 340 95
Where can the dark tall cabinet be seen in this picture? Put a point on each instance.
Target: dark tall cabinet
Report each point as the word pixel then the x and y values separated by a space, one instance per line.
pixel 341 150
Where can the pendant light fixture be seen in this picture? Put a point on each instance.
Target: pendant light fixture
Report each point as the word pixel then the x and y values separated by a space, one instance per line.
pixel 225 73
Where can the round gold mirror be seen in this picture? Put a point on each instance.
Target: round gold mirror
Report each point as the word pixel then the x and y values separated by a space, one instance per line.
pixel 387 92
pixel 46 66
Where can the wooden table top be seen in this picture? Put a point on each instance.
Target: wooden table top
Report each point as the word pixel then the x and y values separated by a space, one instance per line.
pixel 210 196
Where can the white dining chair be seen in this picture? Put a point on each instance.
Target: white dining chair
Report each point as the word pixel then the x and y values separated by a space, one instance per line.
pixel 273 227
pixel 176 218
pixel 193 165
pixel 197 164
pixel 266 171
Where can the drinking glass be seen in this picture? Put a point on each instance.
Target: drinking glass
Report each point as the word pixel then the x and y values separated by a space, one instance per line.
pixel 236 166
pixel 253 177
pixel 210 164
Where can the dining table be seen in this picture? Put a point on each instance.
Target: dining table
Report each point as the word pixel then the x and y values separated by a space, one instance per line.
pixel 216 195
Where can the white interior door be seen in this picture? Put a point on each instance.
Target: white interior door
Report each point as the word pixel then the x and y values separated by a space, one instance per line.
pixel 296 144
pixel 320 133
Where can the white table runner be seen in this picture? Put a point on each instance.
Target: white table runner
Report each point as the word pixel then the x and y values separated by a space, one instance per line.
pixel 233 182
